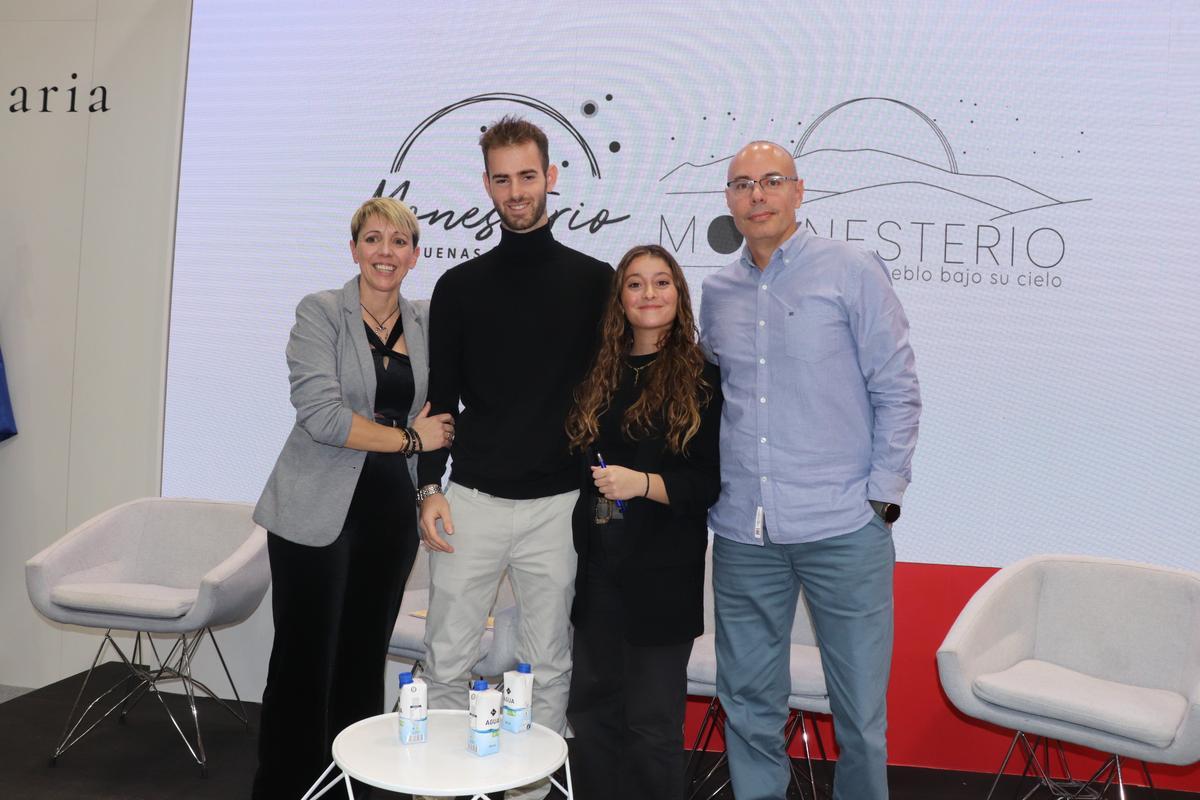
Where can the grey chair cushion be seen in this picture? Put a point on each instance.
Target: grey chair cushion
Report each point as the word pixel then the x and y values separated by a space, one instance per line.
pixel 408 636
pixel 134 599
pixel 702 667
pixel 807 676
pixel 1038 687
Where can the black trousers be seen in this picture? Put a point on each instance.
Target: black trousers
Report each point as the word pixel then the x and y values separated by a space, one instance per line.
pixel 334 608
pixel 627 701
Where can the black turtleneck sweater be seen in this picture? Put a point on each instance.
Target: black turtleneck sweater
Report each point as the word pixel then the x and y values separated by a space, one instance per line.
pixel 511 333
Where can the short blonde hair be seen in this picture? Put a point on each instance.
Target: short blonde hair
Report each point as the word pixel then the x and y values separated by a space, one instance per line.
pixel 390 209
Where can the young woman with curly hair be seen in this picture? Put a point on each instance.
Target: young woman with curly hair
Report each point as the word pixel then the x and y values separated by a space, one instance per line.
pixel 645 424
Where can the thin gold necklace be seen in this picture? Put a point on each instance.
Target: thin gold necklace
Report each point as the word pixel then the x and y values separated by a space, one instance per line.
pixel 637 371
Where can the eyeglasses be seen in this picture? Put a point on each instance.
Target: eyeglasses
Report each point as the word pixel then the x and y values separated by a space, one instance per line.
pixel 770 184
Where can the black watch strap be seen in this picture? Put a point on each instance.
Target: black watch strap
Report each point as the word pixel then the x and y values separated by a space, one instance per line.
pixel 888 512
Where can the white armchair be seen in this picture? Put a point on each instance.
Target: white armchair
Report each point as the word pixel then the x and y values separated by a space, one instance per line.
pixel 1092 651
pixel 154 565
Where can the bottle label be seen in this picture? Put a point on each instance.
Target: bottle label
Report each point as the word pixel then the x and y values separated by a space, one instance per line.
pixel 414 731
pixel 516 720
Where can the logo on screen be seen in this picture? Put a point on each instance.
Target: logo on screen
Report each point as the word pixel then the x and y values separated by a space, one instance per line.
pixel 883 173
pixel 437 145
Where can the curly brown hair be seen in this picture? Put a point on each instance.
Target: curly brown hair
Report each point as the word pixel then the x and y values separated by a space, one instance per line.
pixel 675 388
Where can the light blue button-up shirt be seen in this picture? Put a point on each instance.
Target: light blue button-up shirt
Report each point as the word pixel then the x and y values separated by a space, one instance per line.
pixel 821 394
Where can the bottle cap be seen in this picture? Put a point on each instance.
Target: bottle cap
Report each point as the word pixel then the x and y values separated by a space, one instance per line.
pixel 523 667
pixel 405 678
pixel 479 685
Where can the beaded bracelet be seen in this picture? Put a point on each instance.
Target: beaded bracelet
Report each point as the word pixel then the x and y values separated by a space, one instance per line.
pixel 407 449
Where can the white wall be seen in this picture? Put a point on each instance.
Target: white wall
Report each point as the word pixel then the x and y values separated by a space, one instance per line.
pixel 87 218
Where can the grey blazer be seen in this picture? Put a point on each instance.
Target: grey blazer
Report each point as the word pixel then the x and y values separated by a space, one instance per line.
pixel 332 377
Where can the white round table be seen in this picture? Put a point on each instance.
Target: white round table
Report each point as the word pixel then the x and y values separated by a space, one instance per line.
pixel 370 751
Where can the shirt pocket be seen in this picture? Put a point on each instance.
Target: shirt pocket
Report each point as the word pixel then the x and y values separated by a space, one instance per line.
pixel 815 330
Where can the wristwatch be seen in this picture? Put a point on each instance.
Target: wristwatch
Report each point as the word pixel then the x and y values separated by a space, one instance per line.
pixel 888 512
pixel 428 490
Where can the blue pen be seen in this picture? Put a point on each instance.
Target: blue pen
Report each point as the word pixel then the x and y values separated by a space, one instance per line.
pixel 620 503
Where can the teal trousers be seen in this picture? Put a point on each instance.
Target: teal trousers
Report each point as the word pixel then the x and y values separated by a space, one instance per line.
pixel 847 582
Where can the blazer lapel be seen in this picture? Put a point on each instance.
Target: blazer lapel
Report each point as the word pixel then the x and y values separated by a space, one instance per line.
pixel 358 344
pixel 415 340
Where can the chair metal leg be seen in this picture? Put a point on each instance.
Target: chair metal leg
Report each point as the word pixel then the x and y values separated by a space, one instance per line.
pixel 1149 781
pixel 189 690
pixel 996 780
pixel 714 717
pixel 698 786
pixel 1031 762
pixel 1067 787
pixel 1083 790
pixel 795 724
pixel 152 675
pixel 240 713
pixel 710 715
pixel 177 665
pixel 153 689
pixel 69 737
pixel 828 767
pixel 132 701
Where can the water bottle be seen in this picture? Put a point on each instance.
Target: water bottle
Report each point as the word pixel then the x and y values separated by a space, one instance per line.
pixel 518 699
pixel 414 711
pixel 483 718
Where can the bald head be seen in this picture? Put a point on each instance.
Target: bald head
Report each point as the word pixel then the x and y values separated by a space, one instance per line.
pixel 762 152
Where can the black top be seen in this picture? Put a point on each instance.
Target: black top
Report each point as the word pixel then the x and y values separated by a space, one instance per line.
pixel 612 442
pixel 510 334
pixel 385 475
pixel 662 563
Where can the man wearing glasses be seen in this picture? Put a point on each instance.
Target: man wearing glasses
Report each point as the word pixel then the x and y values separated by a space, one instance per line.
pixel 817 436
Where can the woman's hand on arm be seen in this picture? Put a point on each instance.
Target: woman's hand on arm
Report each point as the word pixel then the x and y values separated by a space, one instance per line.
pixel 622 483
pixel 435 433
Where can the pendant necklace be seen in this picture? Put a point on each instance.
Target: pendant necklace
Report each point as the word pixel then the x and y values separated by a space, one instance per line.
pixel 379 326
pixel 637 371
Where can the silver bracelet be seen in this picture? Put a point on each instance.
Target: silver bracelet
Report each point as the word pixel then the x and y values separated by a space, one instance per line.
pixel 428 490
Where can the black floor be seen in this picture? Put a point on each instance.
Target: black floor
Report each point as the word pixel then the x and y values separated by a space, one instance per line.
pixel 914 783
pixel 144 758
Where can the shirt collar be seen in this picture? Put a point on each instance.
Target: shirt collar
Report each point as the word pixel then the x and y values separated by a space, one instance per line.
pixel 790 249
pixel 524 244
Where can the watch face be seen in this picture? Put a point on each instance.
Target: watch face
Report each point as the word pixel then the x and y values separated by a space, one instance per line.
pixel 891 512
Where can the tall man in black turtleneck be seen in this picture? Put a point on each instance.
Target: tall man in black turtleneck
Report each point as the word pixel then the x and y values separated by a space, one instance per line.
pixel 512 332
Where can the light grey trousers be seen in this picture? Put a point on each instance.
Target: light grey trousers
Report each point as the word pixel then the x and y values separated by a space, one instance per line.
pixel 531 539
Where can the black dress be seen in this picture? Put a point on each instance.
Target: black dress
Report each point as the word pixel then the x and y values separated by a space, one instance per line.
pixel 334 607
pixel 639 605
